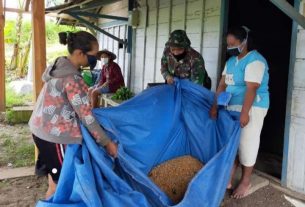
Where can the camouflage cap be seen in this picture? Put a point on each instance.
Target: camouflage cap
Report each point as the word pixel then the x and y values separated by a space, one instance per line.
pixel 178 38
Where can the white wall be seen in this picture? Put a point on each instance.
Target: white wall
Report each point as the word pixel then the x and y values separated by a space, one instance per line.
pixel 296 149
pixel 112 45
pixel 119 30
pixel 212 38
pixel 200 19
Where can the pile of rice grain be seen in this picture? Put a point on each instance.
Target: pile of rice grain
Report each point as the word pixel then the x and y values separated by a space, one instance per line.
pixel 173 176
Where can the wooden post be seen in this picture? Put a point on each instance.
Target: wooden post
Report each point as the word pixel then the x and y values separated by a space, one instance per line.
pixel 39 44
pixel 2 58
pixel 39 48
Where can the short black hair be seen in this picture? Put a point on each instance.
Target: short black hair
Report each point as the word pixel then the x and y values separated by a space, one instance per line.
pixel 79 40
pixel 242 33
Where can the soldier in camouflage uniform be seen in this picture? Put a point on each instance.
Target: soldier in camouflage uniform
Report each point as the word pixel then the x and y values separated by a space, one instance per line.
pixel 181 60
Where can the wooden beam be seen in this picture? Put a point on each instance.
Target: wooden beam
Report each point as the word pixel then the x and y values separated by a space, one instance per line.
pixel 15 10
pixel 61 15
pixel 27 5
pixel 66 6
pixel 290 11
pixel 39 44
pixel 66 16
pixel 2 58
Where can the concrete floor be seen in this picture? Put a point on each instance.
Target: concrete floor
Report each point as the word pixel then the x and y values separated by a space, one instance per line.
pixel 257 181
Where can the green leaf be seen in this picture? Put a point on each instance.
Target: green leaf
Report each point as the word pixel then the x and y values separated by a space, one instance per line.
pixel 122 94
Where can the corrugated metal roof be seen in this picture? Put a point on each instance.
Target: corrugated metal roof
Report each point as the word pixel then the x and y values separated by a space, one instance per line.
pixel 92 6
pixel 67 5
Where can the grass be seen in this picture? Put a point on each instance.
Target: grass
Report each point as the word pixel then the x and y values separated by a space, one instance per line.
pixel 3 183
pixel 12 99
pixel 16 148
pixel 54 51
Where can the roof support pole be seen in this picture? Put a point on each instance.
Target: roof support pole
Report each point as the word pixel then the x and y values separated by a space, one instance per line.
pixel 88 14
pixel 290 11
pixel 93 26
pixel 2 58
pixel 39 40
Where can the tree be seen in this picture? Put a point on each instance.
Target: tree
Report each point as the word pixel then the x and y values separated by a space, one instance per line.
pixel 18 33
pixel 23 58
pixel 15 56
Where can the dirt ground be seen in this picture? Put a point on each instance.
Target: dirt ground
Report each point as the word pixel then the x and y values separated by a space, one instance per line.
pixel 16 146
pixel 25 192
pixel 22 192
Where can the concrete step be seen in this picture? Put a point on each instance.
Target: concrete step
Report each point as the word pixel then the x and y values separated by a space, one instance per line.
pixel 7 173
pixel 19 114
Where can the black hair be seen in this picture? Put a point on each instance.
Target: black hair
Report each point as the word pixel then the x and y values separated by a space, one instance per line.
pixel 243 33
pixel 79 40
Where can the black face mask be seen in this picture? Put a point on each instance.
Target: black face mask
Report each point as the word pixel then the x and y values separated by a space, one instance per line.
pixel 92 60
pixel 233 51
pixel 180 57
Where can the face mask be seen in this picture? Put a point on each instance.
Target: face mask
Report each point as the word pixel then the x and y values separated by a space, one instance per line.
pixel 179 57
pixel 105 61
pixel 235 51
pixel 92 60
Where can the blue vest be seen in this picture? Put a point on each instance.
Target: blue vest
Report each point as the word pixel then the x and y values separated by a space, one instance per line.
pixel 237 86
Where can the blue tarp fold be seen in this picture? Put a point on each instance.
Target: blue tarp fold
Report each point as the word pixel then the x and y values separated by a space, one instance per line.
pixel 159 124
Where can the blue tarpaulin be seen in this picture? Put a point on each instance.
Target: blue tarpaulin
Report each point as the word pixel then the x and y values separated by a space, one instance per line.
pixel 159 124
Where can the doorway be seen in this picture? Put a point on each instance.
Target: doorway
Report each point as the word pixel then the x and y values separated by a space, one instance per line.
pixel 272 31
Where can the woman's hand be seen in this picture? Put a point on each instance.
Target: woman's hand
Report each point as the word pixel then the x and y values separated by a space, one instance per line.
pixel 244 119
pixel 90 90
pixel 213 112
pixel 112 149
pixel 222 87
pixel 170 80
